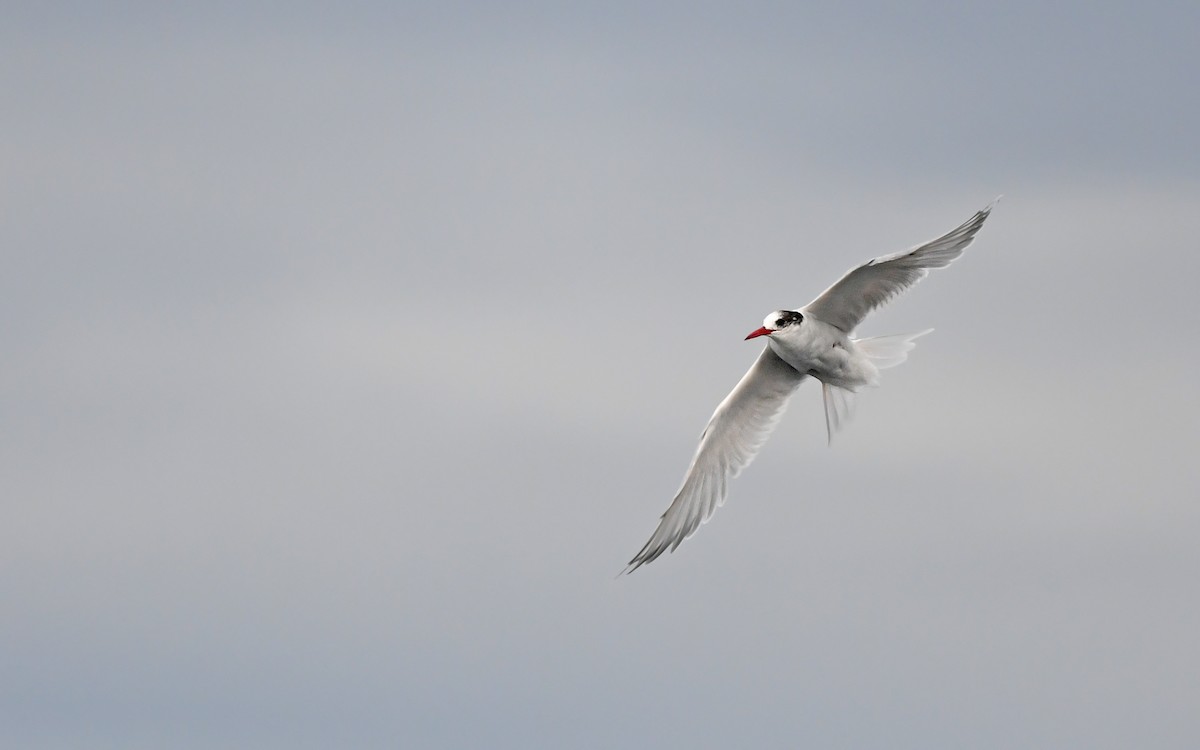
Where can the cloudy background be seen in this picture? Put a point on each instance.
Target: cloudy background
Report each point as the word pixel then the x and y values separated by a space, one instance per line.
pixel 349 353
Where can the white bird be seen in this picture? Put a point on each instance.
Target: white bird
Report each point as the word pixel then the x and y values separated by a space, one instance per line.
pixel 814 340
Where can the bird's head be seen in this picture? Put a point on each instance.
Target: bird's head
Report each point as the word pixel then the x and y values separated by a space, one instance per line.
pixel 777 321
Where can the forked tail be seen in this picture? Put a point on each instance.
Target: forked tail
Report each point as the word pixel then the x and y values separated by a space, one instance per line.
pixel 839 403
pixel 884 352
pixel 889 351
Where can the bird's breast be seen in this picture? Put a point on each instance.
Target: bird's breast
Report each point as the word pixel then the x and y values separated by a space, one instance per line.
pixel 825 353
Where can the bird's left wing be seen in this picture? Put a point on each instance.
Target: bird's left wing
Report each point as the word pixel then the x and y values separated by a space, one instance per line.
pixel 738 428
pixel 860 291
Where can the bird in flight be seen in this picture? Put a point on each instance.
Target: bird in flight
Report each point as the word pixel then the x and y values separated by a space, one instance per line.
pixel 812 341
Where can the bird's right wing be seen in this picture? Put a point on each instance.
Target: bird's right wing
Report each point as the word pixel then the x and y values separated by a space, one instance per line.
pixel 738 428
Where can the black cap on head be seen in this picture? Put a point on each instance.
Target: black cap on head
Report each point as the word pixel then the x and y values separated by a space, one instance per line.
pixel 787 318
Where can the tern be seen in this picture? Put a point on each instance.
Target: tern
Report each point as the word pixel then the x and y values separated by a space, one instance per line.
pixel 812 341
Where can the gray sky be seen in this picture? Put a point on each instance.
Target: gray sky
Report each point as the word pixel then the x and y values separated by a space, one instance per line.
pixel 350 353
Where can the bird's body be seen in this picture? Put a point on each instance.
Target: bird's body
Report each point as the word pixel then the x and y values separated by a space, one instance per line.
pixel 826 353
pixel 811 341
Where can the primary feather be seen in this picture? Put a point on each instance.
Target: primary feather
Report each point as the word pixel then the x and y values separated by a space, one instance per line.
pixel 737 429
pixel 865 288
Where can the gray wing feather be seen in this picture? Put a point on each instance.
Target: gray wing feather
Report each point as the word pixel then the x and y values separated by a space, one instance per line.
pixel 865 288
pixel 738 428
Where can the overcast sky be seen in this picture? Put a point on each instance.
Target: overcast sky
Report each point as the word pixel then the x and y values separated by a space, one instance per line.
pixel 349 353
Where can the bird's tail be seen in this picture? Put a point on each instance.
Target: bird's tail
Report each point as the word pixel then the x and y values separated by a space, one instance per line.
pixel 889 351
pixel 839 403
pixel 884 352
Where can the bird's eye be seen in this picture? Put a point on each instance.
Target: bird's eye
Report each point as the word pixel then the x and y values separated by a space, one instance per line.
pixel 781 323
